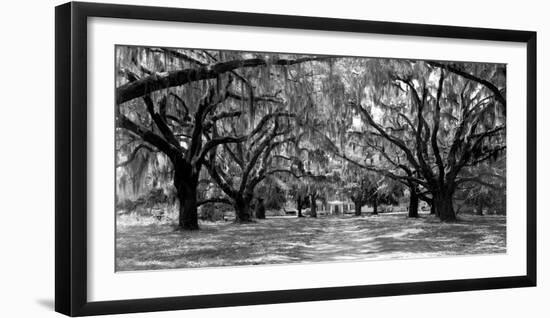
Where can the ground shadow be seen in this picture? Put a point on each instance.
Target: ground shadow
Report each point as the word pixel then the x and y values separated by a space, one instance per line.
pixel 46 303
pixel 294 240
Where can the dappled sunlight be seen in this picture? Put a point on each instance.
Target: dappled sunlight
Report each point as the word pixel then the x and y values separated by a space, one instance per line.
pixel 292 240
pixel 208 143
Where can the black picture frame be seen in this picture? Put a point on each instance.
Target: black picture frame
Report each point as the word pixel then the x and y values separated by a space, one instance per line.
pixel 71 158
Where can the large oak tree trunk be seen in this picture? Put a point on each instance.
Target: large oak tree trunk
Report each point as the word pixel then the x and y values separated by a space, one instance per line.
pixel 358 205
pixel 299 205
pixel 186 185
pixel 444 206
pixel 375 207
pixel 313 204
pixel 260 209
pixel 188 219
pixel 242 210
pixel 413 203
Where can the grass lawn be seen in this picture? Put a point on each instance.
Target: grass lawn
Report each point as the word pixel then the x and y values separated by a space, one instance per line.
pixel 156 245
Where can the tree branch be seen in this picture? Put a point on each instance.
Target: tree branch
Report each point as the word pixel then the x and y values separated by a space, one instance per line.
pixel 382 171
pixel 158 81
pixel 133 155
pixel 477 180
pixel 148 136
pixel 265 98
pixel 159 121
pixel 436 118
pixel 226 115
pixel 489 85
pixel 393 140
pixel 211 144
pixel 182 102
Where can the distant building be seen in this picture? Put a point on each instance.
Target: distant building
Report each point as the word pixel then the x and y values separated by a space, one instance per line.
pixel 339 207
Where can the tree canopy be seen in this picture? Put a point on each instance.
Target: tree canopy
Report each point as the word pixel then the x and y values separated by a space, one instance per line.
pixel 242 122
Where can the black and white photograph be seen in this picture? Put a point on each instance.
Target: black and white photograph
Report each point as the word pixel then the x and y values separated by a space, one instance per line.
pixel 228 158
pixel 275 159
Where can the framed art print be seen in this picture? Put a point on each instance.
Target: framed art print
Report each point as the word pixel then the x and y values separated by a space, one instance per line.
pixel 209 158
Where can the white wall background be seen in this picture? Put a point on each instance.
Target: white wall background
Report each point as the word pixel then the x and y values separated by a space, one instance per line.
pixel 27 158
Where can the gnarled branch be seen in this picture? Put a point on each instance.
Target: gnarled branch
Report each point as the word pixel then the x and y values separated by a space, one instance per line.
pixel 158 81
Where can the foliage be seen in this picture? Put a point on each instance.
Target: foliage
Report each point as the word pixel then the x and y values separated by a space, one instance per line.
pixel 427 122
pixel 265 124
pixel 273 192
